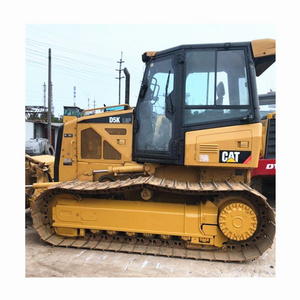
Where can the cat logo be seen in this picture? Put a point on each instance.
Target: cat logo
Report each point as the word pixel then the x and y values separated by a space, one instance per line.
pixel 231 156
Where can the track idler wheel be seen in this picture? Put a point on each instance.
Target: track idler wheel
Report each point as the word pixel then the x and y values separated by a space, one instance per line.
pixel 237 220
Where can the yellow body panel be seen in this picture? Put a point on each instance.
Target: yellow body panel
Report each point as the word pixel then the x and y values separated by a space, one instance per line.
pixel 224 147
pixel 48 160
pixel 263 137
pixel 122 143
pixel 37 167
pixel 176 219
pixel 204 148
pixel 263 47
pixel 73 164
pixel 68 118
pixel 265 126
pixel 68 158
pixel 150 53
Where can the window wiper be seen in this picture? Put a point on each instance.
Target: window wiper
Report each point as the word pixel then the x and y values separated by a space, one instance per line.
pixel 167 84
pixel 170 109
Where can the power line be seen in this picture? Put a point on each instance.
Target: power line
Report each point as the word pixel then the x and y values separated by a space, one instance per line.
pixel 40 33
pixel 76 72
pixel 90 64
pixel 42 45
pixel 82 67
pixel 95 69
pixel 60 59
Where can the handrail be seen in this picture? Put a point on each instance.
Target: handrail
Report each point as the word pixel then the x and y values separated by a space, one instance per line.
pixel 72 143
pixel 103 108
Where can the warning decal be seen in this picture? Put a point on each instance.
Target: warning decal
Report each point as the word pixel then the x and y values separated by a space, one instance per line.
pixel 238 157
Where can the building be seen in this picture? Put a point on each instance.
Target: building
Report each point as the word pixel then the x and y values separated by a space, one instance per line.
pixel 38 129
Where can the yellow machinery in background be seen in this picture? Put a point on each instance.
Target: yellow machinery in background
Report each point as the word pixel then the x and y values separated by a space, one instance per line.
pixel 263 178
pixel 171 176
pixel 71 112
pixel 39 168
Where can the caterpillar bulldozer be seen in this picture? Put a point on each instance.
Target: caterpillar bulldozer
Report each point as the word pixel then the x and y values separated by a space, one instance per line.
pixel 171 176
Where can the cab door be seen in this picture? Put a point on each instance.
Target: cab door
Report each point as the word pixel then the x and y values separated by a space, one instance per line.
pixel 155 134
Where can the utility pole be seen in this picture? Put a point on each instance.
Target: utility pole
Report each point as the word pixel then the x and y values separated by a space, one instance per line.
pixel 49 96
pixel 52 106
pixel 45 114
pixel 94 103
pixel 88 103
pixel 120 77
pixel 44 86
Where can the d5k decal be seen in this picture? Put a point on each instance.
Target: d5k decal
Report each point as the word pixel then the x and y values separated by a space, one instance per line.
pixel 240 157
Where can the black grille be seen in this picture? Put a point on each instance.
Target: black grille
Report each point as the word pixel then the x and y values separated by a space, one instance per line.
pixel 271 139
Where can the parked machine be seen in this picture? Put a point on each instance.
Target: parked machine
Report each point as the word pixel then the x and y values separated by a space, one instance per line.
pixel 38 168
pixel 171 176
pixel 264 176
pixel 38 146
pixel 39 157
pixel 71 112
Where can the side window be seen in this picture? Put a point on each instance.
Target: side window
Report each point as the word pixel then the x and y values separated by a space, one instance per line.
pixel 200 89
pixel 200 78
pixel 231 67
pixel 216 86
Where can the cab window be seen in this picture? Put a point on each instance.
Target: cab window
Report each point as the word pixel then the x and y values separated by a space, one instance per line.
pixel 216 86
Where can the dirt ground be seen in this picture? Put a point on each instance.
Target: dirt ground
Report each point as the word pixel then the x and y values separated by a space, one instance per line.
pixel 44 260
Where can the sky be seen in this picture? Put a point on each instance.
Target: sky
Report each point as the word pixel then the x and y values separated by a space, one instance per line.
pixel 86 56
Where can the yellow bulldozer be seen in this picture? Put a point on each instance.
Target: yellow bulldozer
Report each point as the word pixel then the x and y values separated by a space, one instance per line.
pixel 171 176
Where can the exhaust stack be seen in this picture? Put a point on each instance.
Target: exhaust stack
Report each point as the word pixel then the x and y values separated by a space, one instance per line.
pixel 127 85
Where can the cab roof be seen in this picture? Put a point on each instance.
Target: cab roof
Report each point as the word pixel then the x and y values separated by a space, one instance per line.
pixel 263 51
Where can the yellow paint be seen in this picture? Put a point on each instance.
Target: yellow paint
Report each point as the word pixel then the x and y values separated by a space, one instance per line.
pixel 68 118
pixel 202 146
pixel 265 125
pixel 238 221
pixel 72 165
pixel 175 219
pixel 263 47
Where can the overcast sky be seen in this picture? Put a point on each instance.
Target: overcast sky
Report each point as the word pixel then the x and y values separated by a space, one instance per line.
pixel 86 56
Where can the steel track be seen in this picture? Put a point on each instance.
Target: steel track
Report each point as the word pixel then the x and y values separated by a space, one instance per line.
pixel 231 251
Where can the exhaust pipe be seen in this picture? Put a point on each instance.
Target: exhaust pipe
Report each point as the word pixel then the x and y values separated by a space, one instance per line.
pixel 127 86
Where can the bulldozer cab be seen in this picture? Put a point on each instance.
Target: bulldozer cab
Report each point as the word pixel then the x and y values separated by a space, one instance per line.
pixel 71 112
pixel 195 87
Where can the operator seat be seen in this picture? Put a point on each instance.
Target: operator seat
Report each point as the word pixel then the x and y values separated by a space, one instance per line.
pixel 220 93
